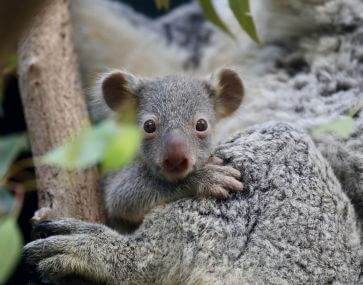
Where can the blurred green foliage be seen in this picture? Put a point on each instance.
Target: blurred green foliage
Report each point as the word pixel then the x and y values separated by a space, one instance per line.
pixel 240 9
pixel 149 8
pixel 11 240
pixel 162 4
pixel 11 243
pixel 242 12
pixel 6 202
pixel 10 147
pixel 109 143
pixel 213 16
pixel 356 109
pixel 342 127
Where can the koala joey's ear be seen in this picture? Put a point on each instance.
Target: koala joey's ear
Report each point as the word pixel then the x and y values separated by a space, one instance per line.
pixel 118 89
pixel 228 91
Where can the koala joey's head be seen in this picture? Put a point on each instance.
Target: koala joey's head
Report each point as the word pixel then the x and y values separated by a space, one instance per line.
pixel 177 115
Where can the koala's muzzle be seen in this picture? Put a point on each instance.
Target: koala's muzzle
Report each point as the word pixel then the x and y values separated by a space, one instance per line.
pixel 176 161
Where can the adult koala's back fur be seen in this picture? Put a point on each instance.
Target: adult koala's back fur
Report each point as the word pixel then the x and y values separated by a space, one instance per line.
pixel 293 225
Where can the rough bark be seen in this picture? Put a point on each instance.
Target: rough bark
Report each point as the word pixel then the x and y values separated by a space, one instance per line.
pixel 55 111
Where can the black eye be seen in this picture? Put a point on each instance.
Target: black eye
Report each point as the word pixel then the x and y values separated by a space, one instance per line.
pixel 150 126
pixel 201 125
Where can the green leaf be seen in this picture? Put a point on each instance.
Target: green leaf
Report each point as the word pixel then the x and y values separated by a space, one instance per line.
pixel 91 147
pixel 10 147
pixel 162 4
pixel 159 4
pixel 11 61
pixel 167 4
pixel 122 148
pixel 85 150
pixel 11 243
pixel 342 127
pixel 212 15
pixel 356 109
pixel 242 12
pixel 6 202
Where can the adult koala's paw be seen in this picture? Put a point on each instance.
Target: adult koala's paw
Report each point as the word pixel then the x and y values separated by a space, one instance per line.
pixel 65 227
pixel 70 248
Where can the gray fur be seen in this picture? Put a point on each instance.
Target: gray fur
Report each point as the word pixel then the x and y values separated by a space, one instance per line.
pixel 294 225
pixel 309 70
pixel 316 77
pixel 174 102
pixel 188 29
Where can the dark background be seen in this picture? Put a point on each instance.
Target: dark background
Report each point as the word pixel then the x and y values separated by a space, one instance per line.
pixel 148 7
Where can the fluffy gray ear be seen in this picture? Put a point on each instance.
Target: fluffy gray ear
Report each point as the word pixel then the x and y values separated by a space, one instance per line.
pixel 228 91
pixel 118 89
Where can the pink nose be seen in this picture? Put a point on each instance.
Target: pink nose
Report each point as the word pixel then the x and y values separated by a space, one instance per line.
pixel 176 158
pixel 175 164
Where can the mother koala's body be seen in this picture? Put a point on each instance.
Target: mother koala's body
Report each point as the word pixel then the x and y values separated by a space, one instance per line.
pixel 294 225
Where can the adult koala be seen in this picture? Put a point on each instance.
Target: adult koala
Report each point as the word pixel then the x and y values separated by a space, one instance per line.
pixel 293 225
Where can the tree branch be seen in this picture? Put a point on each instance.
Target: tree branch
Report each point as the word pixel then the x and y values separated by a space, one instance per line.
pixel 55 111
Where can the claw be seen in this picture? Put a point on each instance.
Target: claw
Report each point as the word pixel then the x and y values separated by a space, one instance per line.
pixel 232 184
pixel 232 172
pixel 30 269
pixel 219 192
pixel 42 230
pixel 226 170
pixel 214 191
pixel 215 160
pixel 221 180
pixel 28 259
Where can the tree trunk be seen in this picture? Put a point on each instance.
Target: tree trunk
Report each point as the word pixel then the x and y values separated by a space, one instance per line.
pixel 55 111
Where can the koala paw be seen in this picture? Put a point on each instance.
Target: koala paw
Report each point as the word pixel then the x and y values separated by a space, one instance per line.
pixel 66 249
pixel 218 180
pixel 66 226
pixel 53 257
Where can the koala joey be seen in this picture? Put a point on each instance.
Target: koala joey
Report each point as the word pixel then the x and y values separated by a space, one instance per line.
pixel 177 115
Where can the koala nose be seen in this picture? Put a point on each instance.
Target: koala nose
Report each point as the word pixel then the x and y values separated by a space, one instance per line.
pixel 176 158
pixel 175 163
